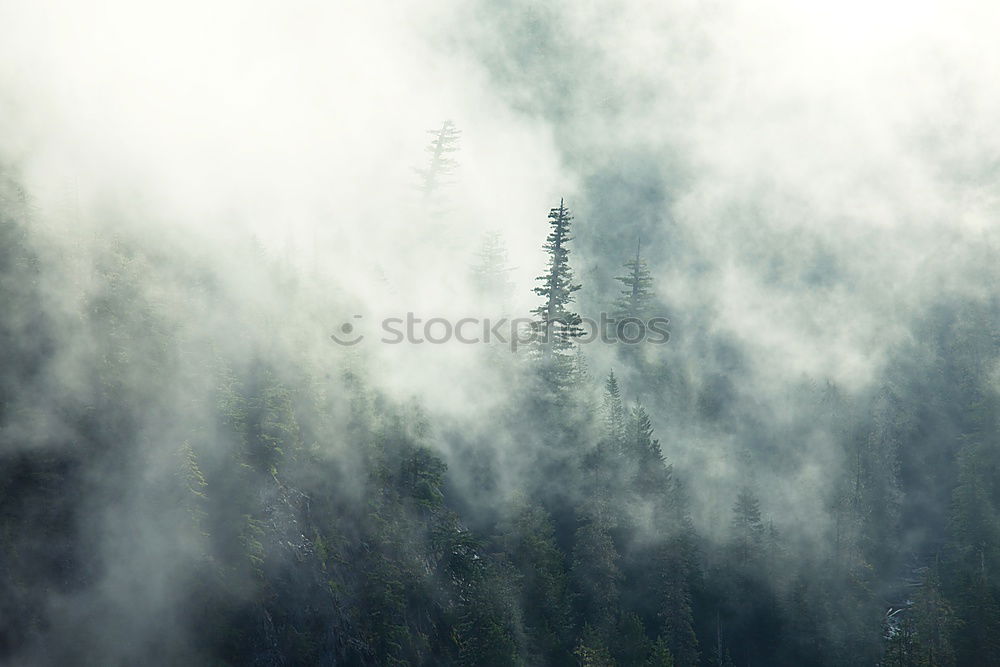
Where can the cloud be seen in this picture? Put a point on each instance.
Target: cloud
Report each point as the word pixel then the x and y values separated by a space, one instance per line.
pixel 807 177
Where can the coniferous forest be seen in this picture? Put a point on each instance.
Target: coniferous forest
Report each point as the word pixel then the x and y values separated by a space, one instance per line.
pixel 677 345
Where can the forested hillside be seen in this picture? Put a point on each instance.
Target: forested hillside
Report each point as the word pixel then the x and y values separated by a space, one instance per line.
pixel 180 494
pixel 481 332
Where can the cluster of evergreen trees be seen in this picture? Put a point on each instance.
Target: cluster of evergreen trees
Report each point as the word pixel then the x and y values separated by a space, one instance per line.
pixel 176 496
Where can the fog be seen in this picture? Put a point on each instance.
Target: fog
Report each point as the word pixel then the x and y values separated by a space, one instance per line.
pixel 809 182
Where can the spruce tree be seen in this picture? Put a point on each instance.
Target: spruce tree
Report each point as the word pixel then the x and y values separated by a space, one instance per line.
pixel 748 529
pixel 529 541
pixel 441 163
pixel 645 447
pixel 555 325
pixel 614 414
pixel 675 605
pixel 934 620
pixel 596 575
pixel 636 297
pixel 660 655
pixel 490 274
pixel 645 458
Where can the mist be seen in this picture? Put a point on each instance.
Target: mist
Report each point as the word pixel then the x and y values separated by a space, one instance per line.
pixel 200 202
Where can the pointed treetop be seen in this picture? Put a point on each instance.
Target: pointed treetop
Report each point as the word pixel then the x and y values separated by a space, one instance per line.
pixel 555 324
pixel 440 165
pixel 636 297
pixel 612 384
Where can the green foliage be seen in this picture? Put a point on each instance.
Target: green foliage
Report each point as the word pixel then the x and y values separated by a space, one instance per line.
pixel 636 298
pixel 555 325
pixel 308 518
pixel 488 628
pixel 591 651
pixel 596 575
pixel 629 643
pixel 614 414
pixel 660 655
pixel 528 539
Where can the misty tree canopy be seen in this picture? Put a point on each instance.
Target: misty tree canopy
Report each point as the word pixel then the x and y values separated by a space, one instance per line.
pixel 215 451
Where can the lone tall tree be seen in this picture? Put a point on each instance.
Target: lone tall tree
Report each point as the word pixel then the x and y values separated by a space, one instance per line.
pixel 441 163
pixel 555 326
pixel 614 414
pixel 748 529
pixel 637 293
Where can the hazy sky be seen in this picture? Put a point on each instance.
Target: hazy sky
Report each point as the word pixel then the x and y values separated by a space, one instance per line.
pixel 855 137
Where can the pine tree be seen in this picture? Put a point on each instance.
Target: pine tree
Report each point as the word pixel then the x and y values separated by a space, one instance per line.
pixel 614 414
pixel 602 463
pixel 441 163
pixel 645 447
pixel 555 325
pixel 645 458
pixel 488 626
pixel 596 575
pixel 591 651
pixel 529 541
pixel 934 620
pixel 636 297
pixel 748 529
pixel 675 610
pixel 490 274
pixel 660 655
pixel 629 643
